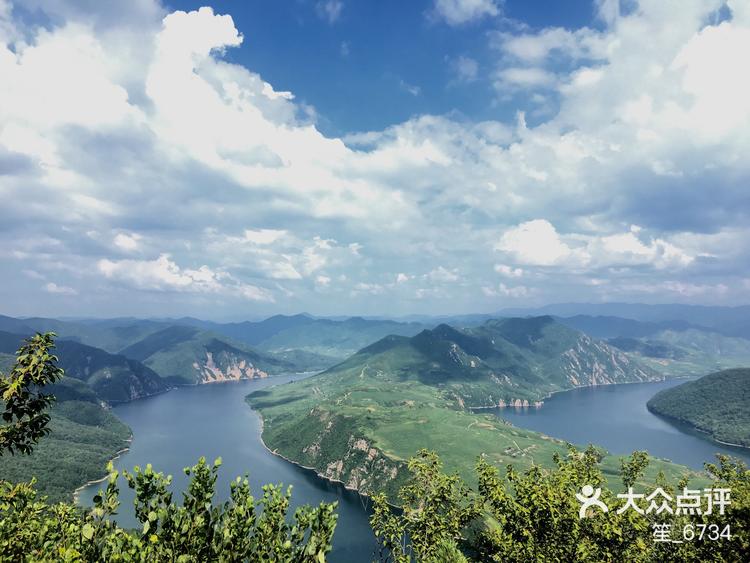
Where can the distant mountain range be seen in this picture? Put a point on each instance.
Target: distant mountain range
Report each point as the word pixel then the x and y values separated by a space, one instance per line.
pixel 112 378
pixel 335 339
pixel 729 321
pixel 304 341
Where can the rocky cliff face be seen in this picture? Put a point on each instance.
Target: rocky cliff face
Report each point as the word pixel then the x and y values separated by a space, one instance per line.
pixel 225 367
pixel 591 362
pixel 331 445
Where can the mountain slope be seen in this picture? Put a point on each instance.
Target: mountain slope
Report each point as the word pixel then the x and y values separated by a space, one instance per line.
pixel 361 420
pixel 184 354
pixel 113 378
pixel 688 352
pixel 505 361
pixel 718 404
pixel 84 436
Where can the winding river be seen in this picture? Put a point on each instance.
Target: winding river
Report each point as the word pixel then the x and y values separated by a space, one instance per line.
pixel 171 431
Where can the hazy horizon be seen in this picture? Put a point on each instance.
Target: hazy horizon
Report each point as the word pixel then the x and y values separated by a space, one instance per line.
pixel 405 317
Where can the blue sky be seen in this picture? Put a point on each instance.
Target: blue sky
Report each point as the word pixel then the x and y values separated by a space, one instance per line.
pixel 239 159
pixel 362 69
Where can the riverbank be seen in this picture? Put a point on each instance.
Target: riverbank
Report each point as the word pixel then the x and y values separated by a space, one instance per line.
pixel 172 431
pixel 118 454
pixel 540 403
pixel 697 429
pixel 297 464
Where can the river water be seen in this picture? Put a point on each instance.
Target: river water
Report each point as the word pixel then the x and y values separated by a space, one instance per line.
pixel 616 417
pixel 171 431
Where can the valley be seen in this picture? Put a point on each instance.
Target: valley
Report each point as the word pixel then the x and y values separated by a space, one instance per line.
pixel 410 385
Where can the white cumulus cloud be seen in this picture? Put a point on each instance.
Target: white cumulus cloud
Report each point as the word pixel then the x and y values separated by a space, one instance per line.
pixel 458 12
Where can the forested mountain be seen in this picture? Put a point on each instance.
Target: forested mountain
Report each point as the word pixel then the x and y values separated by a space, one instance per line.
pixel 111 335
pixel 186 355
pixel 112 377
pixel 84 432
pixel 503 361
pixel 718 404
pixel 358 421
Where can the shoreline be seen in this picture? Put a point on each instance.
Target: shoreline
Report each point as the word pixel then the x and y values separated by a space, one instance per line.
pixel 118 454
pixel 121 452
pixel 297 464
pixel 695 428
pixel 552 393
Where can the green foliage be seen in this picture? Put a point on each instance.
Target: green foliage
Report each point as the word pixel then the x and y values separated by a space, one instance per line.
pixel 436 508
pixel 196 530
pixel 718 404
pixel 82 434
pixel 534 516
pixel 83 438
pixel 24 416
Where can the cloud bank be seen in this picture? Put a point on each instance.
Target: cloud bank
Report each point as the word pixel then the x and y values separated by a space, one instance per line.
pixel 141 172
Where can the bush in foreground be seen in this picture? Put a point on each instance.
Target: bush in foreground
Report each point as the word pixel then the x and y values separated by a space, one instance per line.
pixel 534 516
pixel 242 529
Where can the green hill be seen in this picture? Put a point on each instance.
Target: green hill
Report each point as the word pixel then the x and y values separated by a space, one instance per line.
pixel 718 404
pixel 112 378
pixel 110 335
pixel 360 421
pixel 502 362
pixel 85 434
pixel 187 355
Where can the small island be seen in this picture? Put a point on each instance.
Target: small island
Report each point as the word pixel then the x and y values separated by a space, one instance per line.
pixel 717 404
